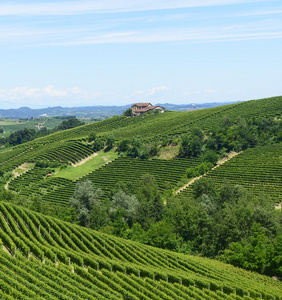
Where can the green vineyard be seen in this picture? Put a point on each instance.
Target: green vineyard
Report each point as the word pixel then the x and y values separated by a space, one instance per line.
pixel 151 127
pixel 124 169
pixel 258 169
pixel 44 258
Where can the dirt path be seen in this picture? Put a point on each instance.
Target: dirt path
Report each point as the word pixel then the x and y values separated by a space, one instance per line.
pixel 220 162
pixel 84 160
pixel 16 174
pixel 278 206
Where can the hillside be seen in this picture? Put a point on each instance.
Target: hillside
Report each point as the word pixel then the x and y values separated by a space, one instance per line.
pixel 258 169
pixel 49 259
pixel 151 127
pixel 120 156
pixel 71 146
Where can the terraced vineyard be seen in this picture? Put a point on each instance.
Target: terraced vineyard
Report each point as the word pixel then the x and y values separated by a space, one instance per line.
pixel 44 258
pixel 124 169
pixel 258 169
pixel 150 127
pixel 63 151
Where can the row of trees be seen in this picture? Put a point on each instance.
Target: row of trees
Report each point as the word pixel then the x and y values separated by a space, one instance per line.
pixel 231 225
pixel 236 136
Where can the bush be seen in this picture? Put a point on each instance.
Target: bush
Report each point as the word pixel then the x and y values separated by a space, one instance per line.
pixel 98 145
pixel 92 137
pixel 210 156
pixel 110 141
pixel 128 112
pixel 124 145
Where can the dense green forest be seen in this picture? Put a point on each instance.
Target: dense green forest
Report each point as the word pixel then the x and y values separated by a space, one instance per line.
pixel 202 182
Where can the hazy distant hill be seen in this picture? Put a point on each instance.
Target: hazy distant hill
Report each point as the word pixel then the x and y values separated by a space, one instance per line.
pixel 93 111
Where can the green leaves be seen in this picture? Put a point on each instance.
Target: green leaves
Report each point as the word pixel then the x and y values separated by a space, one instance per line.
pixel 84 198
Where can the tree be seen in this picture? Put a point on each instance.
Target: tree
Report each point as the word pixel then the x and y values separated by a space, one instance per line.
pixel 124 145
pixel 92 137
pixel 191 145
pixel 161 235
pixel 128 112
pixel 99 217
pixel 110 141
pixel 98 144
pixel 210 156
pixel 136 143
pixel 254 254
pixel 203 186
pixel 151 207
pixel 83 199
pixel 126 203
pixel 70 123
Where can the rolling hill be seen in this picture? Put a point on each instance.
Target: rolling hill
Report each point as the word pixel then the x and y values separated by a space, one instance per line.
pixel 52 259
pixel 45 258
pixel 258 169
pixel 71 146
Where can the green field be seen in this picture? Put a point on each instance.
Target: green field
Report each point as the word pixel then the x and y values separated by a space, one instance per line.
pixel 75 172
pixel 12 125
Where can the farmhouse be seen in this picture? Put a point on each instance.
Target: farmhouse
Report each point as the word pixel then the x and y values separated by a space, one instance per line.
pixel 141 108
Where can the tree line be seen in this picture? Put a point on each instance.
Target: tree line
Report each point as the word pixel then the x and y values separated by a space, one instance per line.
pixel 25 135
pixel 231 224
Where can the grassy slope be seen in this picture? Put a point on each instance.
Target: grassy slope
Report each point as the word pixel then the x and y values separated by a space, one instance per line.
pixel 57 260
pixel 95 162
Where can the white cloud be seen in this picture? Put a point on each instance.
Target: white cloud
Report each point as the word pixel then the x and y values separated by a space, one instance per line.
pixel 22 93
pixel 102 6
pixel 158 89
pixel 49 96
pixel 52 92
pixel 138 93
pixel 262 12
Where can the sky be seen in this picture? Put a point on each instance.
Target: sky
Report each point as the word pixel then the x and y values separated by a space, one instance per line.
pixel 106 52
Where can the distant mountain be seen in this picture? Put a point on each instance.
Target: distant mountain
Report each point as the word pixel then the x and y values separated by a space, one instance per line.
pixel 93 111
pixel 193 106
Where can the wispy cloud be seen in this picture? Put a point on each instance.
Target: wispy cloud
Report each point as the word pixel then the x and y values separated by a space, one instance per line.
pixel 157 89
pixel 101 6
pixel 269 29
pixel 151 92
pixel 246 31
pixel 276 11
pixel 49 96
pixel 49 91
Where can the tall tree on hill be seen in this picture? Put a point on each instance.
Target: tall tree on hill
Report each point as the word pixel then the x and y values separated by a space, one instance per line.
pixel 83 199
pixel 126 203
pixel 192 144
pixel 151 207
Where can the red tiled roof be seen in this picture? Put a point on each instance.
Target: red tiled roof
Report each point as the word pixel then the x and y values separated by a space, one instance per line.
pixel 146 109
pixel 141 104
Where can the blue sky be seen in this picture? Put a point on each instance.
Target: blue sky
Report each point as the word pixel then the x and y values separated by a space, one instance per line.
pixel 106 52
